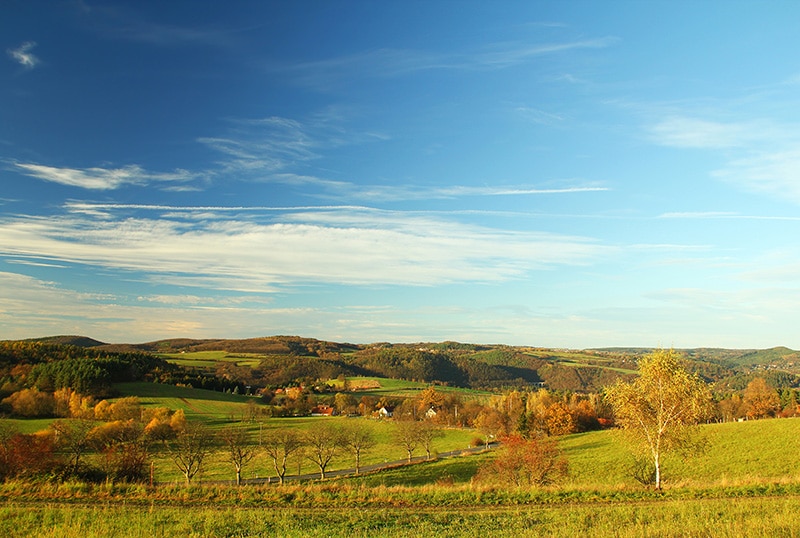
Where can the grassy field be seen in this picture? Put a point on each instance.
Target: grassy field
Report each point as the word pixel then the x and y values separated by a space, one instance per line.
pixel 208 406
pixel 74 510
pixel 398 388
pixel 209 359
pixel 736 452
pixel 385 450
pixel 755 517
pixel 745 483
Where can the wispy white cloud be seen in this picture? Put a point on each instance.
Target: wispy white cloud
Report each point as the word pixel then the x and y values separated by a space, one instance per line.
pixel 265 147
pixel 459 190
pixel 687 132
pixel 33 263
pixel 720 215
pixel 114 318
pixel 102 178
pixel 759 155
pixel 357 248
pixel 510 54
pixel 753 303
pixel 126 22
pixel 389 62
pixel 152 317
pixel 774 173
pixel 24 56
pixel 539 116
pixel 81 207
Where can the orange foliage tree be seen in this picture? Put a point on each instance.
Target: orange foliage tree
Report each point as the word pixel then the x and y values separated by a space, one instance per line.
pixel 525 462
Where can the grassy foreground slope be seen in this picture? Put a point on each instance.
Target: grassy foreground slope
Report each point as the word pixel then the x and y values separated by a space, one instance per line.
pixel 735 453
pixel 723 518
pixel 747 483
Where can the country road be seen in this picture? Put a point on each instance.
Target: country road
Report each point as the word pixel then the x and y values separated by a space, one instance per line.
pixel 364 469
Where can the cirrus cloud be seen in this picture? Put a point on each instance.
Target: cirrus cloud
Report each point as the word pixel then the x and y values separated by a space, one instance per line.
pixel 347 247
pixel 102 178
pixel 24 56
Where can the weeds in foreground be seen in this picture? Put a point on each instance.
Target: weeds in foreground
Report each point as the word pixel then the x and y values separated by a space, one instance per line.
pixel 693 517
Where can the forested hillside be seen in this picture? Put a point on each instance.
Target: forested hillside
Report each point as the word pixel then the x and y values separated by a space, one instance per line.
pixel 88 370
pixel 91 367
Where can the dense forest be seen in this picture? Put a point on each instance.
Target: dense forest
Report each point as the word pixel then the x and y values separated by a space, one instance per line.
pixel 49 366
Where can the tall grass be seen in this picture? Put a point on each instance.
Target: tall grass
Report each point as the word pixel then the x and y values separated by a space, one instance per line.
pixel 753 517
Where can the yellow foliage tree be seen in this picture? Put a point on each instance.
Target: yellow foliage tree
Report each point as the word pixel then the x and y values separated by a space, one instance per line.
pixel 659 406
pixel 558 419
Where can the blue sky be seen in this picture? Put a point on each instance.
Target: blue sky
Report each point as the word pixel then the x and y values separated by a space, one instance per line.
pixel 563 174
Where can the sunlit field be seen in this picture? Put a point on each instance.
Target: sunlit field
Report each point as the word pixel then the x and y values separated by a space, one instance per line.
pixel 725 491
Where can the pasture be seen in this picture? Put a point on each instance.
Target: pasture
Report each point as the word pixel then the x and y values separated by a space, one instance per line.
pixel 745 483
pixel 723 518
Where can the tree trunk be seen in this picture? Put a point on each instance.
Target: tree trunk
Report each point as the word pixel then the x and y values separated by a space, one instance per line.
pixel 657 460
pixel 281 472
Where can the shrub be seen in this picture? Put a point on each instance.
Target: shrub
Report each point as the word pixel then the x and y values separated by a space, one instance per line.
pixel 525 462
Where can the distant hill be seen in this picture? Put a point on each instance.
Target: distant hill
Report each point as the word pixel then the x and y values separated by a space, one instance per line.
pixel 69 340
pixel 275 361
pixel 269 345
pixel 775 355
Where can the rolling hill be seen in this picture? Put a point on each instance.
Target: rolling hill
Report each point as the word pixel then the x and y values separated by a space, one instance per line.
pixel 283 360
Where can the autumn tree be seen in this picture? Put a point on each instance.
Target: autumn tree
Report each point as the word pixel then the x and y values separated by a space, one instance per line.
pixel 190 448
pixel 525 462
pixel 356 439
pixel 366 405
pixel 659 407
pixel 558 419
pixel 731 408
pixel 279 445
pixel 158 424
pixel 426 433
pixel 123 448
pixel 27 455
pixel 429 398
pixel 73 436
pixel 760 399
pixel 406 435
pixel 492 423
pixel 239 450
pixel 321 444
pixel 31 403
pixel 344 403
pixel 584 415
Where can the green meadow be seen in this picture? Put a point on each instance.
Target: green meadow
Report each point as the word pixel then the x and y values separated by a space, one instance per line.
pixel 724 518
pixel 746 482
pixel 209 359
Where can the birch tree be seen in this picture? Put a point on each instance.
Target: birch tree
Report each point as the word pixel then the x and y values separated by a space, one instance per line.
pixel 659 407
